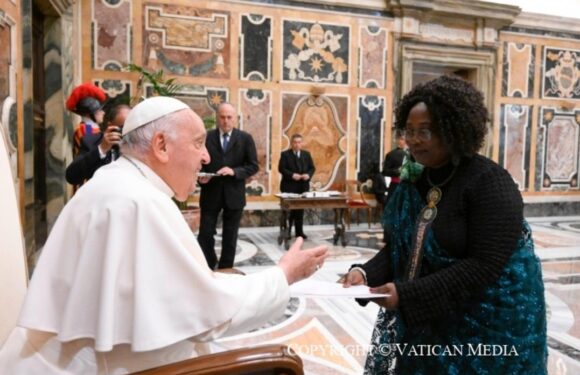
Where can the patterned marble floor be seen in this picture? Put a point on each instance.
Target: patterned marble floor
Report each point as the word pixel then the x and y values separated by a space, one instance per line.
pixel 331 335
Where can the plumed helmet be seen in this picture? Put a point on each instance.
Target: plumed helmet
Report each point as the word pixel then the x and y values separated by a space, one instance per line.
pixel 88 106
pixel 86 99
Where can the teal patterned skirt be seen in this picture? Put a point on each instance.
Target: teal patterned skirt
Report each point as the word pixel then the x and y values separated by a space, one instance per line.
pixel 500 331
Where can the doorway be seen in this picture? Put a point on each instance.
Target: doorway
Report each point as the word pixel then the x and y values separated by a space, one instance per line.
pixel 424 72
pixel 39 127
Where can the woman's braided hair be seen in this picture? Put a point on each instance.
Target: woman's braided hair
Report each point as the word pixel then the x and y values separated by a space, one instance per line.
pixel 457 111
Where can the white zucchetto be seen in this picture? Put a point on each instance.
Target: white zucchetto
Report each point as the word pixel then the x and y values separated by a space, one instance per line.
pixel 151 109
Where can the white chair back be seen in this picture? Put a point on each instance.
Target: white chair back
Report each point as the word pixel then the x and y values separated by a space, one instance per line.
pixel 13 272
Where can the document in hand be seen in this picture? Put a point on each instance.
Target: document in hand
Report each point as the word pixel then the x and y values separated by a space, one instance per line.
pixel 328 289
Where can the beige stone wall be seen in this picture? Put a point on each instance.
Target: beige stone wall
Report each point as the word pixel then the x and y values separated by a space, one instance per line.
pixel 326 74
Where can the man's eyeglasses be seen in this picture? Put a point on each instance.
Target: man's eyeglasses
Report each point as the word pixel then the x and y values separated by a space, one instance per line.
pixel 422 134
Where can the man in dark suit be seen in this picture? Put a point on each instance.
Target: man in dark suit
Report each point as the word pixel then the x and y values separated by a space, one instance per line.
pixel 297 168
pixel 234 159
pixel 392 164
pixel 98 149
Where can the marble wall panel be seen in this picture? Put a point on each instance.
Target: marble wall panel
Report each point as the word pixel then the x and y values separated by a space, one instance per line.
pixel 371 110
pixel 5 61
pixel 561 73
pixel 559 168
pixel 372 57
pixel 315 52
pixel 112 28
pixel 56 135
pixel 518 70
pixel 256 119
pixel 186 41
pixel 203 100
pixel 255 47
pixel 118 91
pixel 318 120
pixel 515 134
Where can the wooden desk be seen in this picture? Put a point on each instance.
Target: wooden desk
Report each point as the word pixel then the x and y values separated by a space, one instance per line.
pixel 336 203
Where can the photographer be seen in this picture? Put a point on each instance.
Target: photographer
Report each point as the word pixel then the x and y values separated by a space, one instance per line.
pixel 99 149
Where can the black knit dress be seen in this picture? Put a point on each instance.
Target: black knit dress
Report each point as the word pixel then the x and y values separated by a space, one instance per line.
pixel 479 219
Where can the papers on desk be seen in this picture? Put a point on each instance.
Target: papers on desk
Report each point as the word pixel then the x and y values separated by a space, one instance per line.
pixel 321 194
pixel 288 195
pixel 311 194
pixel 328 289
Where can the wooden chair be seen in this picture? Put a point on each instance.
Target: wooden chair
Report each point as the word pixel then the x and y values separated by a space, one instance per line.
pixel 262 360
pixel 356 201
pixel 269 359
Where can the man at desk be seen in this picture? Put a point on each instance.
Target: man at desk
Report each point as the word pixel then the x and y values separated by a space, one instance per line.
pixel 297 168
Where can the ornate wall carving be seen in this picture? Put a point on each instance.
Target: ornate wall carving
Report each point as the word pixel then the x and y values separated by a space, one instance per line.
pixel 186 41
pixel 320 121
pixel 118 91
pixel 561 75
pixel 315 52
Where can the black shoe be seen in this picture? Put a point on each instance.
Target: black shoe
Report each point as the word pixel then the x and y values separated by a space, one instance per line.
pixel 304 237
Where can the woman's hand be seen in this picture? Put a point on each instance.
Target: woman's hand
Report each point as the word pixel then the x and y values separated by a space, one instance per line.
pixel 392 301
pixel 354 277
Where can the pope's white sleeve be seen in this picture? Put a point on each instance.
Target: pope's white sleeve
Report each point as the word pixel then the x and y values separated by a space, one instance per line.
pixel 264 296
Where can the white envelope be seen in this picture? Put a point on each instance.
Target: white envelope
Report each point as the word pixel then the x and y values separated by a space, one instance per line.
pixel 328 289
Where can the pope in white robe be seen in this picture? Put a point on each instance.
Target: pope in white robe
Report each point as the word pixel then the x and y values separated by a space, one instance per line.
pixel 122 284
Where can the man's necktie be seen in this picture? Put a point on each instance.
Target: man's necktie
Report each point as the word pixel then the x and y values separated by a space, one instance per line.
pixel 226 141
pixel 298 162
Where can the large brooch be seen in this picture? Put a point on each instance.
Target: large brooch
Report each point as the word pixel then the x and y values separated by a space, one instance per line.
pixel 429 212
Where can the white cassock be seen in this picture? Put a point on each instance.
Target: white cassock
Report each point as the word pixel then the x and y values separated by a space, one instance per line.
pixel 122 285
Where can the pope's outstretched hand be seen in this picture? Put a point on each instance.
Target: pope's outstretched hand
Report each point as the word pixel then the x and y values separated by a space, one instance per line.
pixel 299 264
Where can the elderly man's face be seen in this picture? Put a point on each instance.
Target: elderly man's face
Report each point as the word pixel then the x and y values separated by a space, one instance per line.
pixel 227 118
pixel 187 154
